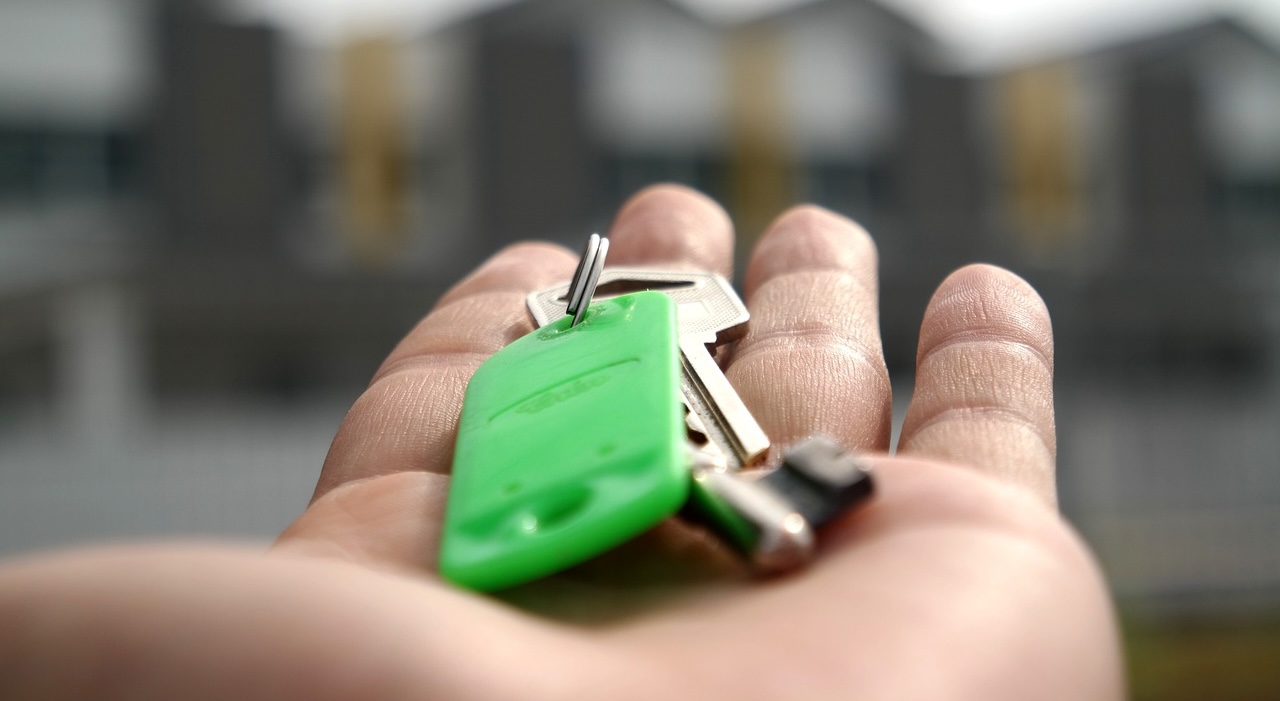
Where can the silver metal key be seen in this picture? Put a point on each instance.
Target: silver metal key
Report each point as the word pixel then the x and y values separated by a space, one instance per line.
pixel 710 314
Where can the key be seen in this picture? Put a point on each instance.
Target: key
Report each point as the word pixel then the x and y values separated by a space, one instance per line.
pixel 771 520
pixel 571 441
pixel 710 313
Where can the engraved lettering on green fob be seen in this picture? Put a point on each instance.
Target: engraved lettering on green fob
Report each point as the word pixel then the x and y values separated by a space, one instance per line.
pixel 570 443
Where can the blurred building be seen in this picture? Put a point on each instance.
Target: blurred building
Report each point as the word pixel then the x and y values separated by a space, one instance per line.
pixel 1151 170
pixel 177 344
pixel 1138 186
pixel 209 229
pixel 1124 166
pixel 556 111
pixel 601 99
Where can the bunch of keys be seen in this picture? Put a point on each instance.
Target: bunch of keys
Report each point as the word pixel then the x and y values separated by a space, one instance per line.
pixel 613 416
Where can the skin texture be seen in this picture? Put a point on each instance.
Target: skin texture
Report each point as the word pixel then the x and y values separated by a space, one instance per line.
pixel 959 581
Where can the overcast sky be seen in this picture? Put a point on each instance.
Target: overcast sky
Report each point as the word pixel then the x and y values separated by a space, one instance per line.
pixel 985 31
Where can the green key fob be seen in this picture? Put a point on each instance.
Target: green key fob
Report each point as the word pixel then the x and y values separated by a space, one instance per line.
pixel 570 443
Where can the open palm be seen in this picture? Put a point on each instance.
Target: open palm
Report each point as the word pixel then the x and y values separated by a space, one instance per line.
pixel 959 580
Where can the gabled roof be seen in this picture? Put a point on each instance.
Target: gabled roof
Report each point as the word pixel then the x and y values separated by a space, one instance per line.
pixel 925 44
pixel 514 13
pixel 726 13
pixel 1189 35
pixel 888 14
pixel 1149 40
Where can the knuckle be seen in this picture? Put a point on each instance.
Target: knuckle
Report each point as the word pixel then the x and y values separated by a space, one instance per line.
pixel 408 369
pixel 1011 417
pixel 834 300
pixel 457 312
pixel 864 354
pixel 984 353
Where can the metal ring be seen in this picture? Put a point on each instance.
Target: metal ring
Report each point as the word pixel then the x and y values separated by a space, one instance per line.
pixel 577 282
pixel 583 286
pixel 593 279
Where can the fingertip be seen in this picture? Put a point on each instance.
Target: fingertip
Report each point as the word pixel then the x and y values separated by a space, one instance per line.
pixel 985 276
pixel 673 225
pixel 986 300
pixel 809 237
pixel 388 520
pixel 657 199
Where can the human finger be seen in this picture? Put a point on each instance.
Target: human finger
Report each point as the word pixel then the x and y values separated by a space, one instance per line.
pixel 390 520
pixel 812 361
pixel 407 418
pixel 984 380
pixel 673 227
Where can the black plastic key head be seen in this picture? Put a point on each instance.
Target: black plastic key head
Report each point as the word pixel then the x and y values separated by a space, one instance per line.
pixel 820 479
pixel 771 520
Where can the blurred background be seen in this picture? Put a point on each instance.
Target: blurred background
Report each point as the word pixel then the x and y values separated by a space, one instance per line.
pixel 217 217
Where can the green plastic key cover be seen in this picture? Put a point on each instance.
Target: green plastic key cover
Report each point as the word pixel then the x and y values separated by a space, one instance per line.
pixel 570 443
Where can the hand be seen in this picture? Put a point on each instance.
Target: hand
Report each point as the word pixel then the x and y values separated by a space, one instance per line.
pixel 959 581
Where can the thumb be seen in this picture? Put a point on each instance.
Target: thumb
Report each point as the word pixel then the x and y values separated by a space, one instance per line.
pixel 386 521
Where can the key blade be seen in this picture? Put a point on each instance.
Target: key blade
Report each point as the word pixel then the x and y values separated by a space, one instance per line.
pixel 725 418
